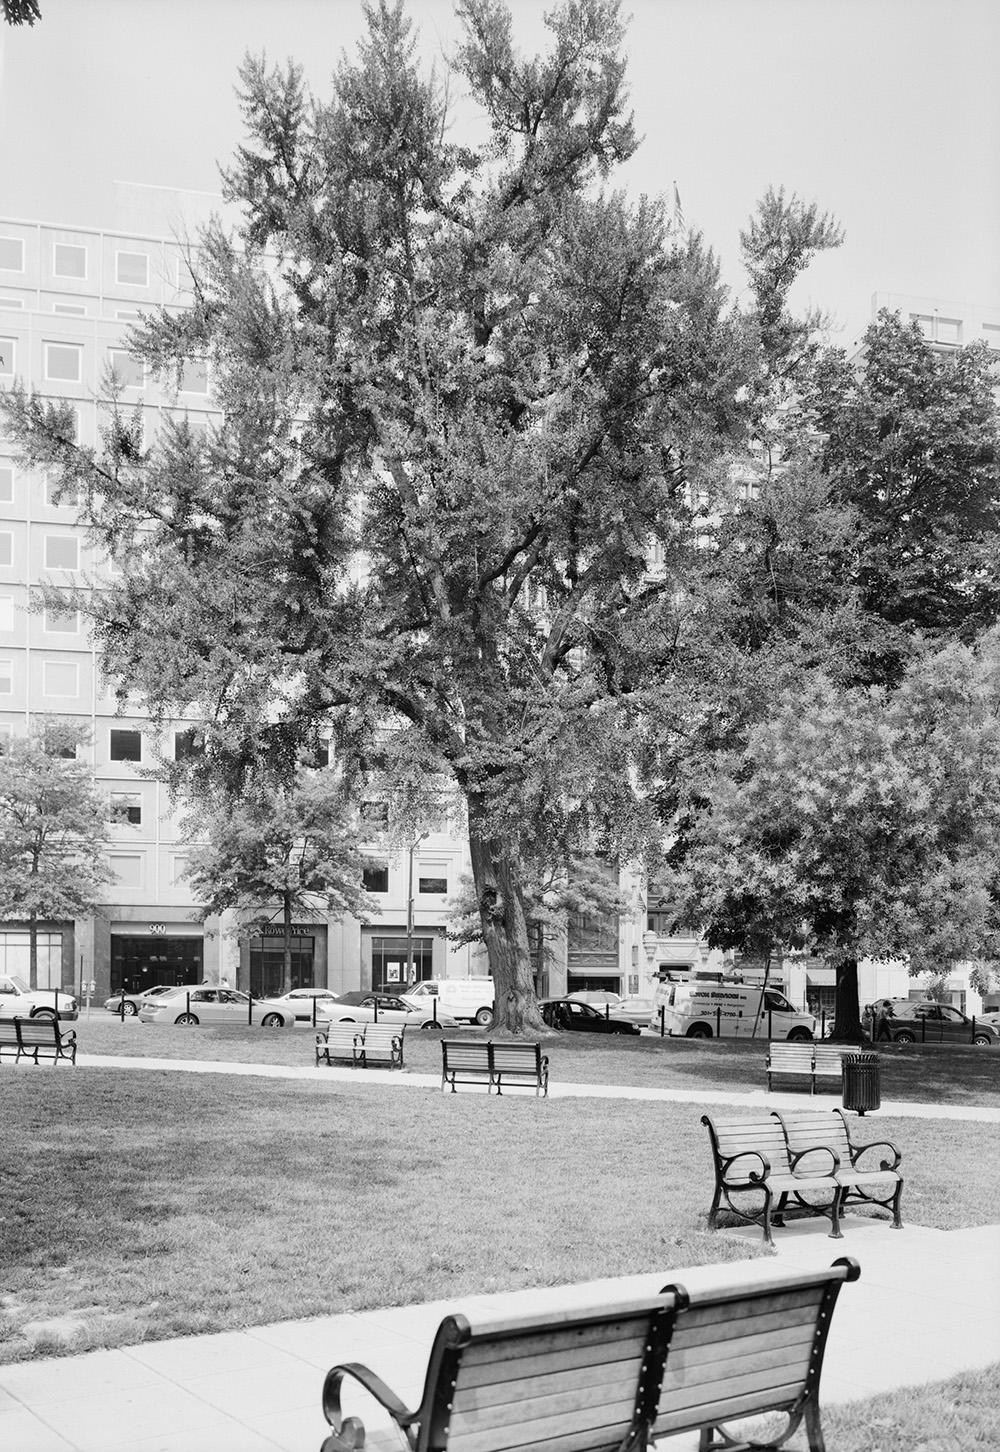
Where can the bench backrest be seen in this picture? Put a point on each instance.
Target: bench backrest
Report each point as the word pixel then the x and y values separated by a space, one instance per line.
pixel 340 1037
pixel 380 1036
pixel 465 1054
pixel 750 1349
pixel 813 1130
pixel 579 1381
pixel 38 1030
pixel 828 1056
pixel 524 1057
pixel 796 1058
pixel 748 1137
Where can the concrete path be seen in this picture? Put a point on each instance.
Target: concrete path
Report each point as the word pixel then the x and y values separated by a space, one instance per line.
pixel 926 1306
pixel 741 1099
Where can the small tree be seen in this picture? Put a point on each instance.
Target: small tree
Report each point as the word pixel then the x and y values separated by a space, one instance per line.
pixel 291 846
pixel 861 823
pixel 53 831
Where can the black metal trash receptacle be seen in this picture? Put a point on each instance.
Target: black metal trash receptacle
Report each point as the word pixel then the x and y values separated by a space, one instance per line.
pixel 860 1077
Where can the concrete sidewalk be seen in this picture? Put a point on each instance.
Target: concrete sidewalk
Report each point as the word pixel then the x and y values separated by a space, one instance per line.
pixel 926 1306
pixel 740 1099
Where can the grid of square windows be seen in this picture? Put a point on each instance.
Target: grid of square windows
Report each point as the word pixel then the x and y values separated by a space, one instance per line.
pixel 6 485
pixel 11 254
pixel 130 371
pixel 8 357
pixel 127 807
pixel 6 548
pixel 60 678
pixel 125 745
pixel 6 677
pixel 62 552
pixel 132 269
pixel 61 622
pixel 6 613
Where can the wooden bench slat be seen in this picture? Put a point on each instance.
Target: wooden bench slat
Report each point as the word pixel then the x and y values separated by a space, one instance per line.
pixel 494 1064
pixel 685 1419
pixel 832 1130
pixel 493 1357
pixel 571 1410
pixel 778 1365
pixel 706 1393
pixel 719 1327
pixel 782 1341
pixel 572 1378
pixel 513 1434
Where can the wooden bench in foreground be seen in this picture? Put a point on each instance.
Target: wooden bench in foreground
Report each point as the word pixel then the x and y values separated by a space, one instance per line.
pixel 498 1065
pixel 810 1060
pixel 828 1131
pixel 362 1045
pixel 37 1038
pixel 752 1161
pixel 608 1378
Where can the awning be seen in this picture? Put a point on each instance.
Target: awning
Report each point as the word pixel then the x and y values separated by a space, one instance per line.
pixel 821 977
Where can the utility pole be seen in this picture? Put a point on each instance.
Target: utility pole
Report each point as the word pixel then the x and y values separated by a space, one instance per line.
pixel 409 909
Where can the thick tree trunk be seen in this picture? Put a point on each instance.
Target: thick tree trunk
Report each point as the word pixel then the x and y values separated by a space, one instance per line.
pixel 32 950
pixel 847 1010
pixel 505 932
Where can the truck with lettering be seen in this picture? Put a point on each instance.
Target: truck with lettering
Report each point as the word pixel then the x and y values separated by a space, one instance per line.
pixel 715 1008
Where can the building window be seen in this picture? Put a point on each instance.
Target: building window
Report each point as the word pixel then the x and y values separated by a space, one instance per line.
pixel 179 864
pixel 62 622
pixel 6 677
pixel 60 678
pixel 127 868
pixel 69 260
pixel 7 352
pixel 70 310
pixel 6 612
pixel 376 879
pixel 375 813
pixel 11 254
pixel 128 315
pixel 63 362
pixel 188 745
pixel 431 884
pixel 6 549
pixel 132 269
pixel 131 372
pixel 60 495
pixel 991 332
pixel 6 732
pixel 11 302
pixel 6 486
pixel 194 376
pixel 126 745
pixel 127 807
pixel 62 552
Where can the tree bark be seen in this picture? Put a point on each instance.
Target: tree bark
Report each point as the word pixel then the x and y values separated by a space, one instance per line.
pixel 32 950
pixel 286 967
pixel 847 1010
pixel 505 931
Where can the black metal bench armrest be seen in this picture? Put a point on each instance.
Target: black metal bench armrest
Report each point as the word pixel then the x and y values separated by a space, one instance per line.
pixel 819 1149
pixel 725 1165
pixel 861 1149
pixel 371 1383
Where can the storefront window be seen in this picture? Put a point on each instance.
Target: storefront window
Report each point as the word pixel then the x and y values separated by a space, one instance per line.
pixel 267 965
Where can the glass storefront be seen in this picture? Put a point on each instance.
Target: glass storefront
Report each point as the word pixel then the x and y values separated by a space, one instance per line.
pixel 390 962
pixel 15 956
pixel 267 964
pixel 139 963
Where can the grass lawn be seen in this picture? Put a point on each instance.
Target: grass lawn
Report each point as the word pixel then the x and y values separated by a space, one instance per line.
pixel 144 1205
pixel 927 1074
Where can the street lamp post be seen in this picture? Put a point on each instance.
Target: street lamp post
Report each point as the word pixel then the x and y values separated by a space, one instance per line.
pixel 409 909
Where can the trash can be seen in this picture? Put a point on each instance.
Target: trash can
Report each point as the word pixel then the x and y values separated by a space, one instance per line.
pixel 860 1081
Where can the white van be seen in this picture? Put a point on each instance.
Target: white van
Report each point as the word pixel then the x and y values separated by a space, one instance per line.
pixel 470 999
pixel 708 1009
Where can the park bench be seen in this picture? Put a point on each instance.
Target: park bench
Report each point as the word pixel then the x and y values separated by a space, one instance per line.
pixel 754 1348
pixel 751 1159
pixel 812 1060
pixel 37 1038
pixel 362 1045
pixel 828 1131
pixel 497 1065
pixel 608 1378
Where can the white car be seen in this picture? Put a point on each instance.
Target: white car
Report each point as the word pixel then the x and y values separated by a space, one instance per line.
pixel 301 1000
pixel 215 1006
pixel 17 1000
pixel 359 1007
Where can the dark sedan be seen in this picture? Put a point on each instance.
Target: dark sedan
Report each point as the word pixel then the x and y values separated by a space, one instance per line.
pixel 577 1017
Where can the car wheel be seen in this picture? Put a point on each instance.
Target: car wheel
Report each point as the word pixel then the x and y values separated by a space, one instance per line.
pixel 982 1040
pixel 432 1025
pixel 272 1020
pixel 186 1018
pixel 484 1017
pixel 129 1009
pixel 800 1036
pixel 699 1031
pixel 904 1037
pixel 44 1013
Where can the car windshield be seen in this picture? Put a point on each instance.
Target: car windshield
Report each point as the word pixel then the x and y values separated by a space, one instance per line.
pixel 19 983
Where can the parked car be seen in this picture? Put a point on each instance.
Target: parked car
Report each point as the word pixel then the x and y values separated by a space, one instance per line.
pixel 924 1021
pixel 634 1010
pixel 301 1000
pixel 17 1000
pixel 570 1013
pixel 215 1006
pixel 359 1007
pixel 134 1001
pixel 596 996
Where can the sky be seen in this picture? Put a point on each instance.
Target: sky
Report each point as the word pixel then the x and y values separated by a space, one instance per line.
pixel 885 112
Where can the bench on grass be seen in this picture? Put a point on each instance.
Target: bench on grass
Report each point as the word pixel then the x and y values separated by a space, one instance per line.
pixel 37 1038
pixel 752 1160
pixel 828 1131
pixel 497 1065
pixel 811 1060
pixel 362 1045
pixel 608 1378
